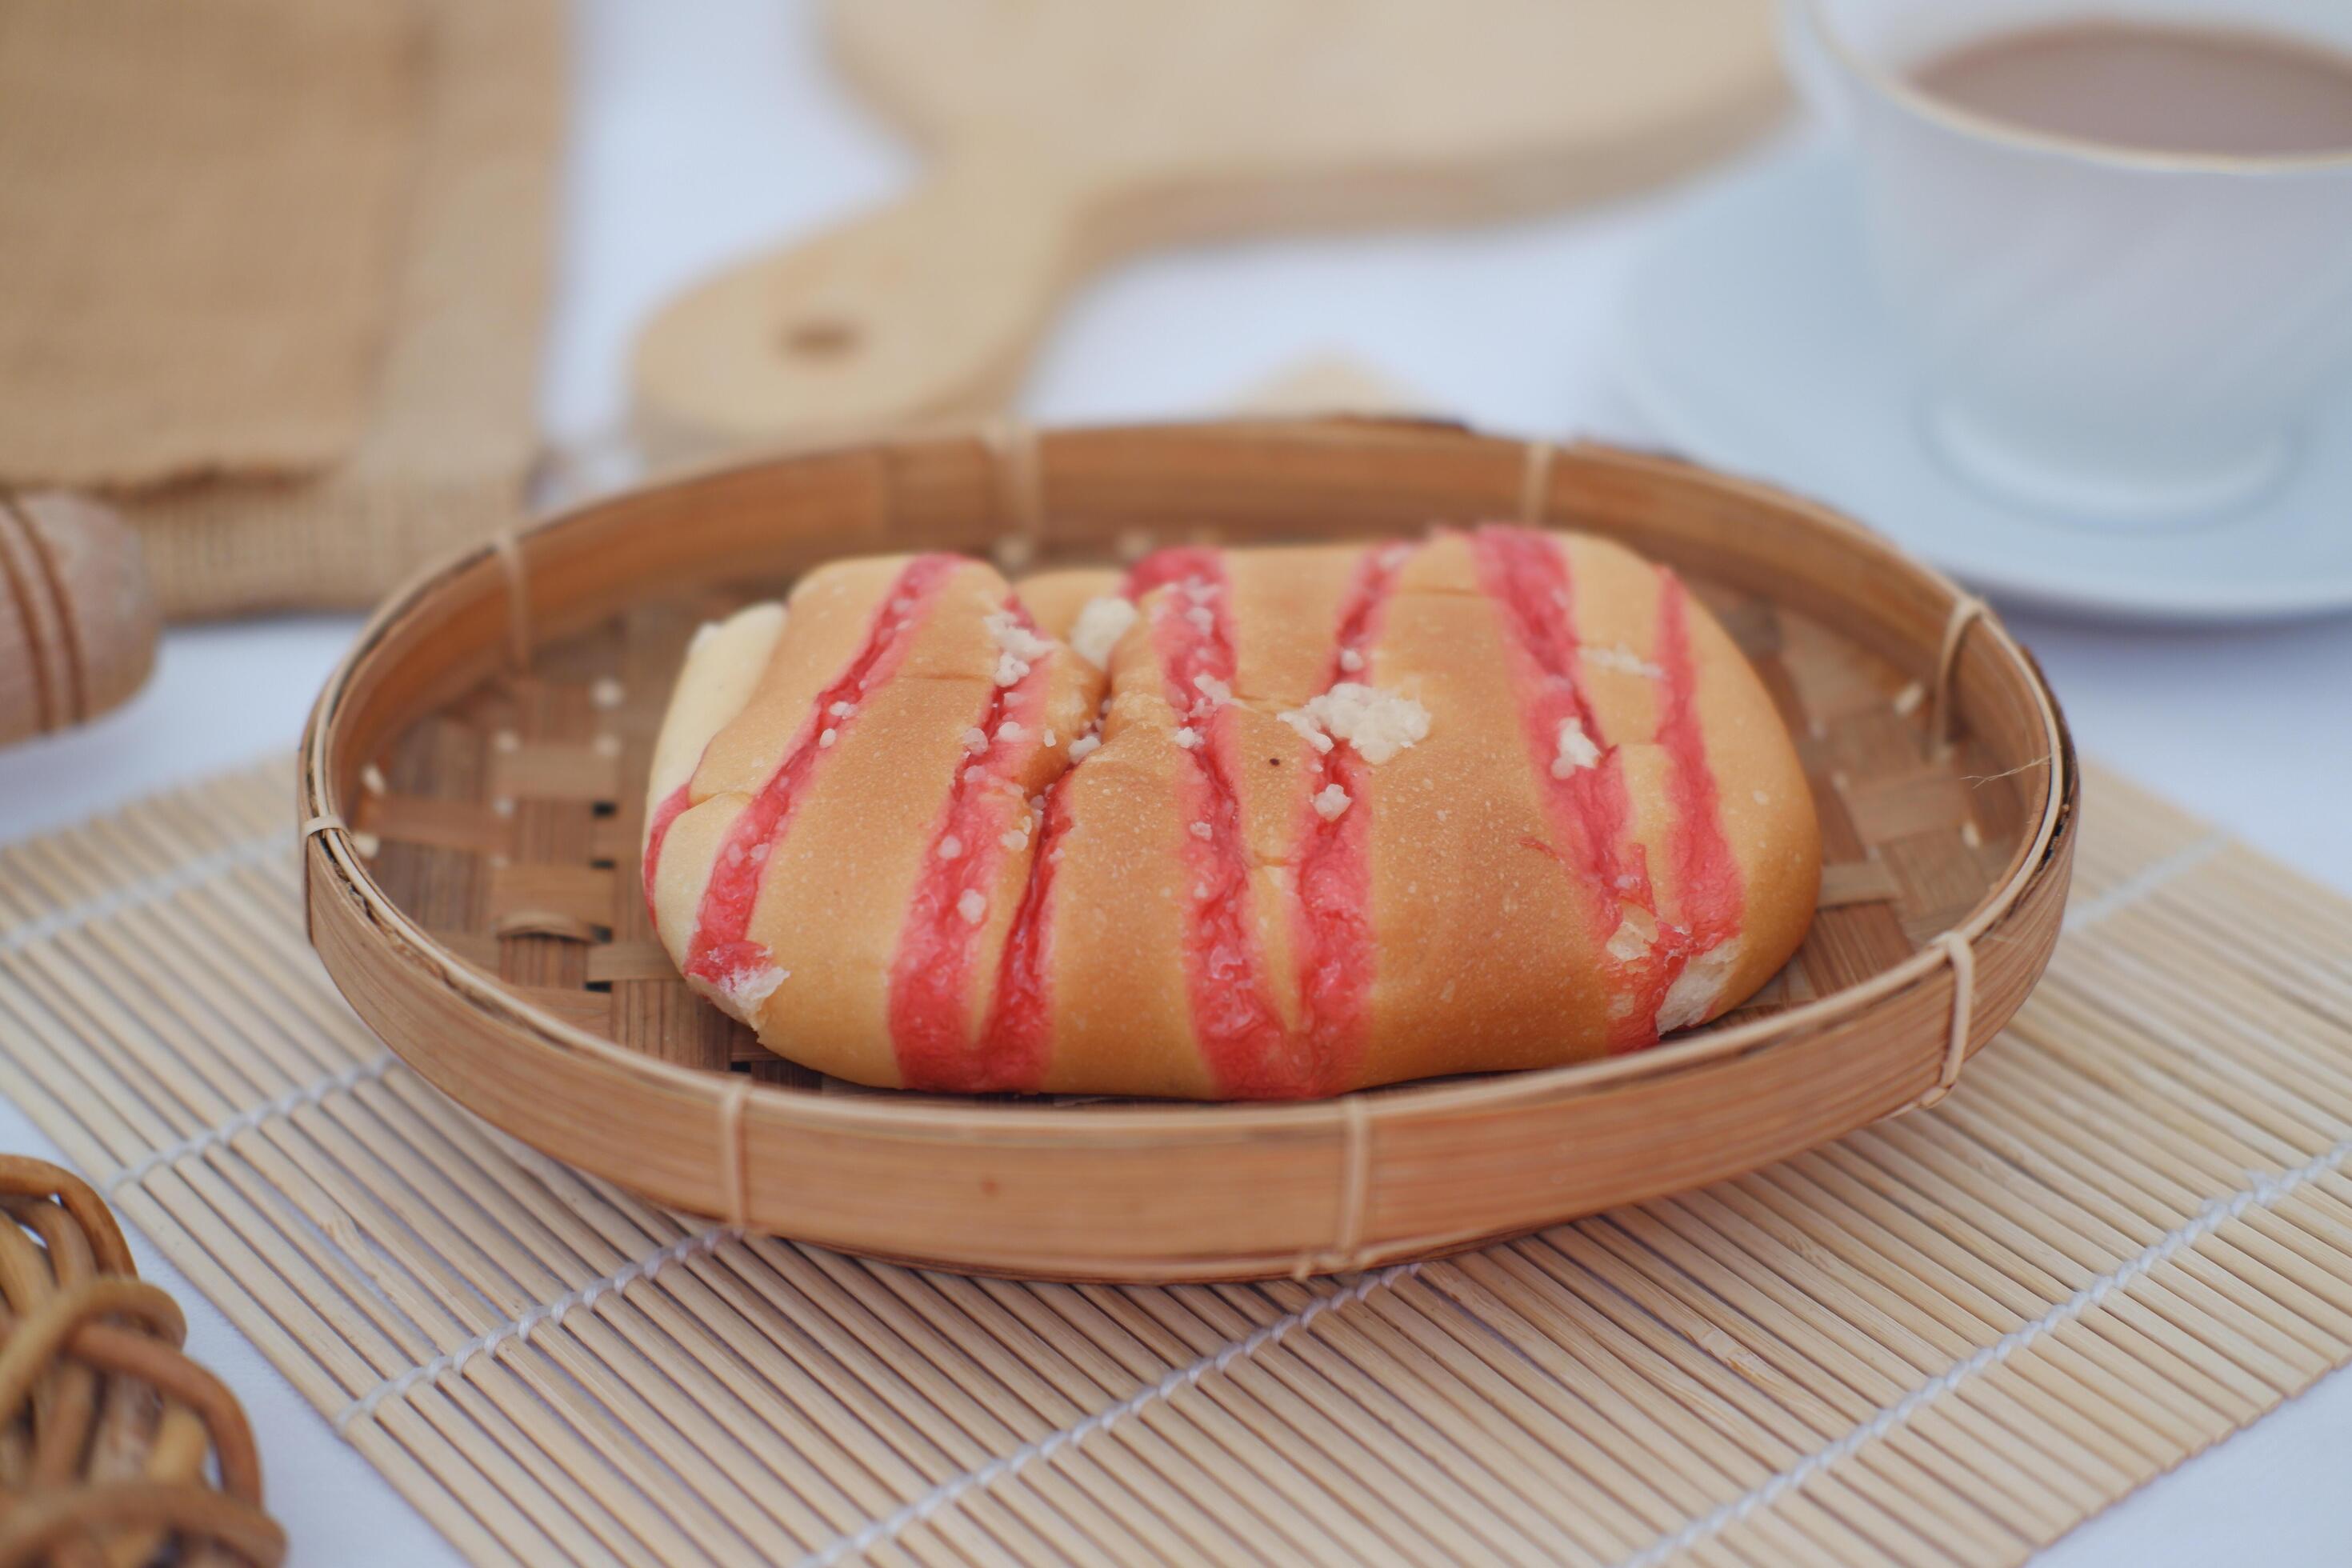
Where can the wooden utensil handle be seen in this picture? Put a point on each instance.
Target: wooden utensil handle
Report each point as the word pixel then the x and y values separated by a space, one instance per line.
pixel 927 307
pixel 78 622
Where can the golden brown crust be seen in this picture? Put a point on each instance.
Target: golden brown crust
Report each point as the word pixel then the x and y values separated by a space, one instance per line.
pixel 1481 939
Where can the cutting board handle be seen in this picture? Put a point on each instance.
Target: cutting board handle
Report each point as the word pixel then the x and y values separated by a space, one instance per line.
pixel 927 307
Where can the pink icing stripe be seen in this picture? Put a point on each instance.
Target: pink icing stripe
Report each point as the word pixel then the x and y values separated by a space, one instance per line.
pixel 1250 1055
pixel 1334 917
pixel 1708 892
pixel 1020 1028
pixel 931 978
pixel 1525 573
pixel 720 952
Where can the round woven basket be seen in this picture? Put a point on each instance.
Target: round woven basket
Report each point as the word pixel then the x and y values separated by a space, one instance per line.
pixel 472 782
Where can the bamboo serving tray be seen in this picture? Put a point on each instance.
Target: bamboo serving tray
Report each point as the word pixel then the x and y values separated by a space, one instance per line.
pixel 472 781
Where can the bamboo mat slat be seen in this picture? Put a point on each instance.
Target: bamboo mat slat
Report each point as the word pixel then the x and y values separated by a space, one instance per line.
pixel 1948 1339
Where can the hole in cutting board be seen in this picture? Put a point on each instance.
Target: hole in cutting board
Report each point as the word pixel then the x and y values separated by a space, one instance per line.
pixel 819 338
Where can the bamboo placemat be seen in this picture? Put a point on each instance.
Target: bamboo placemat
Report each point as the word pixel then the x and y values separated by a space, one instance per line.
pixel 1948 1339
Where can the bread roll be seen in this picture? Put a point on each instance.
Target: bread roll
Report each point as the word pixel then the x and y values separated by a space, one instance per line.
pixel 1240 823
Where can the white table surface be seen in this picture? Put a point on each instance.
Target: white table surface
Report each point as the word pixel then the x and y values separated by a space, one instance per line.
pixel 703 130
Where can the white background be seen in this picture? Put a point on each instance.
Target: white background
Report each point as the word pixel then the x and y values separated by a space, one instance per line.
pixel 706 129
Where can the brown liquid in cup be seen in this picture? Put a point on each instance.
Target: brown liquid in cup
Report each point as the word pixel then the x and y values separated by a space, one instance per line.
pixel 2156 87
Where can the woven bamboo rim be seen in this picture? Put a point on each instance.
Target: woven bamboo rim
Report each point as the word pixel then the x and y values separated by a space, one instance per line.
pixel 1133 1191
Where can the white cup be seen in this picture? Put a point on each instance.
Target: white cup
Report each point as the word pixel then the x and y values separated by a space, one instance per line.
pixel 2111 335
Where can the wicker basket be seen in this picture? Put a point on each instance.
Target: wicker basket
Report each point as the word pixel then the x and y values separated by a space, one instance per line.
pixel 471 787
pixel 109 1435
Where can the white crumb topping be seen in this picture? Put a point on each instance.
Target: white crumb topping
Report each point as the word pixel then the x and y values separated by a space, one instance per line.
pixel 1214 693
pixel 1907 701
pixel 1084 746
pixel 1202 830
pixel 748 986
pixel 1626 943
pixel 1378 725
pixel 1351 661
pixel 971 906
pixel 1697 989
pixel 1049 740
pixel 1011 730
pixel 1014 839
pixel 1189 738
pixel 841 709
pixel 1637 931
pixel 1201 619
pixel 607 693
pixel 951 847
pixel 1100 625
pixel 975 740
pixel 1200 590
pixel 1624 660
pixel 826 737
pixel 1018 647
pixel 1304 722
pixel 1576 749
pixel 1331 802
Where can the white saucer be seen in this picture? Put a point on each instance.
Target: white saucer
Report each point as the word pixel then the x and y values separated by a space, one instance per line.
pixel 1752 342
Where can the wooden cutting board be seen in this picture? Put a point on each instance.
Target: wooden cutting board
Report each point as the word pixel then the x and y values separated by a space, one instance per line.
pixel 1068 133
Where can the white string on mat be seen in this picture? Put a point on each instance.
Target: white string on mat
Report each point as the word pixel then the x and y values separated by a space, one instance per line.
pixel 522 1328
pixel 188 874
pixel 891 1525
pixel 286 1104
pixel 2264 1193
pixel 2145 880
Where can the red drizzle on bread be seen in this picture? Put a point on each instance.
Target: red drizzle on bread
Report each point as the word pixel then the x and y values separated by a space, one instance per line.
pixel 722 955
pixel 1251 1054
pixel 937 966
